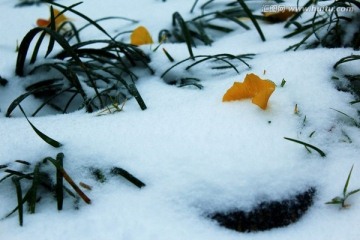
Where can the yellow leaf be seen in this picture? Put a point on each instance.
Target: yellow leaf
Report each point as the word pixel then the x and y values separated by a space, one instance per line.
pixel 253 87
pixel 140 36
pixel 59 19
pixel 279 16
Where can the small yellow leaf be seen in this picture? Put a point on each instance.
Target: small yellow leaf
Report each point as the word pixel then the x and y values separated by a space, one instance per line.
pixel 253 87
pixel 140 36
pixel 279 16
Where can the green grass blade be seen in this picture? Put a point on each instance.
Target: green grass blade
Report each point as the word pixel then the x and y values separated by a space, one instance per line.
pixel 133 91
pixel 3 166
pixel 307 145
pixel 171 59
pixel 305 27
pixel 53 28
pixel 44 137
pixel 346 59
pixel 189 42
pixel 234 19
pixel 107 18
pixel 37 47
pixel 193 6
pixel 48 101
pixel 346 115
pixel 16 102
pixel 347 181
pixel 70 8
pixel 59 182
pixel 33 190
pixel 17 173
pixel 125 174
pixel 219 28
pixel 16 181
pixel 252 18
pixel 217 57
pixel 23 50
pixel 353 192
pixel 6 177
pixel 298 14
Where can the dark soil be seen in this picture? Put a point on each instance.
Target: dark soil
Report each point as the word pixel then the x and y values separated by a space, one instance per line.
pixel 267 215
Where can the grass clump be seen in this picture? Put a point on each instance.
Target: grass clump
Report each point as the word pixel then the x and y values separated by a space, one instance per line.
pixel 333 25
pixel 213 19
pixel 39 181
pixel 33 182
pixel 82 74
pixel 341 200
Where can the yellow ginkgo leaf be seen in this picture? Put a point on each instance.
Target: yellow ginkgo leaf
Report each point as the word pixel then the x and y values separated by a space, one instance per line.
pixel 279 16
pixel 59 19
pixel 140 36
pixel 253 87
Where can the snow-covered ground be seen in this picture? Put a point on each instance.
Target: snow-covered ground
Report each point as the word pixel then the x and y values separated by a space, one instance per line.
pixel 195 153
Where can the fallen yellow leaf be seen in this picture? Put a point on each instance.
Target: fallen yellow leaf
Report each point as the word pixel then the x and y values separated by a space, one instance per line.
pixel 253 87
pixel 279 16
pixel 140 36
pixel 59 19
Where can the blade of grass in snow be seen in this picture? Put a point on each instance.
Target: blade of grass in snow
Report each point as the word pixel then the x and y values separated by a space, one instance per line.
pixel 171 59
pixel 125 174
pixel 33 190
pixel 299 13
pixel 218 57
pixel 69 179
pixel 307 145
pixel 346 115
pixel 59 183
pixel 252 18
pixel 44 137
pixel 17 184
pixel 347 181
pixel 185 31
pixel 347 59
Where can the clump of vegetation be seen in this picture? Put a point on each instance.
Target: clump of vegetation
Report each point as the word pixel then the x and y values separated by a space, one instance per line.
pixel 40 181
pixel 342 200
pixel 332 25
pixel 214 18
pixel 83 74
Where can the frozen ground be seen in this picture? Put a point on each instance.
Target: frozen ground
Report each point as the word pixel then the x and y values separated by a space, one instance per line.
pixel 195 153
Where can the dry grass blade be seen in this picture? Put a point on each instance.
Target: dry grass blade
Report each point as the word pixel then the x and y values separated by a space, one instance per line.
pixel 69 180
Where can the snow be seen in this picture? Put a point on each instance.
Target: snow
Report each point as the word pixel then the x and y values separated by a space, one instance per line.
pixel 195 154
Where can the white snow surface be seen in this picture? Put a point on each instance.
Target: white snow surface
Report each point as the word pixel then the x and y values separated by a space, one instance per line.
pixel 195 153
